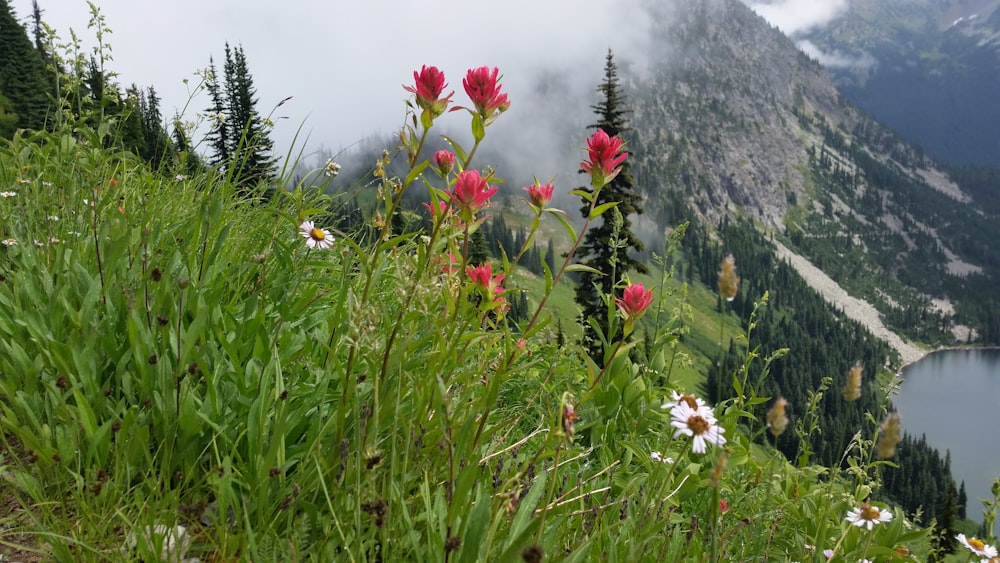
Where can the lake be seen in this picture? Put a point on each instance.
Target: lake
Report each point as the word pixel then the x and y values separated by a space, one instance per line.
pixel 953 397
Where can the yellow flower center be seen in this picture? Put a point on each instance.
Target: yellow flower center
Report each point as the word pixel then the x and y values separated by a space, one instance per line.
pixel 869 513
pixel 317 234
pixel 698 425
pixel 977 544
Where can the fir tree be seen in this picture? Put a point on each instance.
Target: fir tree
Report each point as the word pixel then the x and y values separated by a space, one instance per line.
pixel 599 249
pixel 22 72
pixel 218 117
pixel 249 142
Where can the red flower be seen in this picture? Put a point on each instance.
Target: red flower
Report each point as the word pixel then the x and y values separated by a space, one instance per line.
pixel 540 194
pixel 723 505
pixel 440 210
pixel 471 193
pixel 484 280
pixel 444 161
pixel 634 301
pixel 606 157
pixel 428 85
pixel 482 88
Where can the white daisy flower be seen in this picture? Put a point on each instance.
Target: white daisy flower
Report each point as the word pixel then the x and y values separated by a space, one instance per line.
pixel 677 399
pixel 8 194
pixel 868 515
pixel 977 546
pixel 315 236
pixel 8 242
pixel 699 423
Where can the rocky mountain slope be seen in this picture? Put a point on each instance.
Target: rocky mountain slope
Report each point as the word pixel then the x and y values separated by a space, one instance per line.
pixel 731 118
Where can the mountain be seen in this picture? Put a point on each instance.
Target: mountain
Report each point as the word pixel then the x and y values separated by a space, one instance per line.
pixel 732 119
pixel 928 69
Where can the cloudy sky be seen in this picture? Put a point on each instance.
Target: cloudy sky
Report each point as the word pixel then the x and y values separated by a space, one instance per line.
pixel 344 62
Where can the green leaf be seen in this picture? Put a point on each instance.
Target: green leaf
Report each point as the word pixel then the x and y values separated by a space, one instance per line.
pixel 479 519
pixel 526 509
pixel 561 216
pixel 478 128
pixel 583 268
pixel 416 171
pixel 600 209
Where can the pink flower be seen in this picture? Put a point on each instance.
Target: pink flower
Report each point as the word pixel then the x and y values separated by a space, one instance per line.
pixel 634 301
pixel 441 209
pixel 428 85
pixel 723 505
pixel 482 88
pixel 606 157
pixel 444 161
pixel 471 193
pixel 484 280
pixel 540 194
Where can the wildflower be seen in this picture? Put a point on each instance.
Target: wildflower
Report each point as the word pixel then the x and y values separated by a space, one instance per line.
pixel 428 85
pixel 488 284
pixel 315 236
pixel 777 420
pixel 8 194
pixel 679 399
pixel 9 242
pixel 444 162
pixel 729 282
pixel 606 157
pixel 449 266
pixel 888 436
pixel 22 181
pixel 180 177
pixel 471 193
pixel 657 456
pixel 977 546
pixel 218 119
pixel 868 515
pixel 699 424
pixel 723 505
pixel 484 91
pixel 828 553
pixel 540 194
pixel 568 416
pixel 852 389
pixel 53 217
pixel 634 301
pixel 441 209
pixel 331 168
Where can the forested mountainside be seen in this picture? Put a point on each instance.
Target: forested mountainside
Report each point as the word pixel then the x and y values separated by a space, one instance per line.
pixel 733 119
pixel 927 69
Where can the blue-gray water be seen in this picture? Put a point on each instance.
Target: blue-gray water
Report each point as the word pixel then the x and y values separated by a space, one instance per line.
pixel 953 397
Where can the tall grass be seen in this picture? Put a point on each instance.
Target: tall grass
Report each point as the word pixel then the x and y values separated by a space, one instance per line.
pixel 183 377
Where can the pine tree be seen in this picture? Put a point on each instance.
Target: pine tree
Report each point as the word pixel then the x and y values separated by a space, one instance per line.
pixel 598 249
pixel 249 141
pixel 22 72
pixel 218 116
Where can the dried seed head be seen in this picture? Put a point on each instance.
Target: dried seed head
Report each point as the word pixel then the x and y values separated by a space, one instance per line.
pixel 777 420
pixel 852 389
pixel 729 282
pixel 889 435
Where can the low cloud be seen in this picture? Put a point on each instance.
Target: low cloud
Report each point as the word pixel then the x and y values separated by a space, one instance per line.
pixel 837 59
pixel 798 16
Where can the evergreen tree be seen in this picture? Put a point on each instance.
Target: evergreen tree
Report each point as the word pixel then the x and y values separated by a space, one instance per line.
pixel 599 249
pixel 218 116
pixel 22 72
pixel 249 142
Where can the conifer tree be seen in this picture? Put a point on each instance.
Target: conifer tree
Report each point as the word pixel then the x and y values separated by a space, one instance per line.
pixel 239 137
pixel 22 72
pixel 598 249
